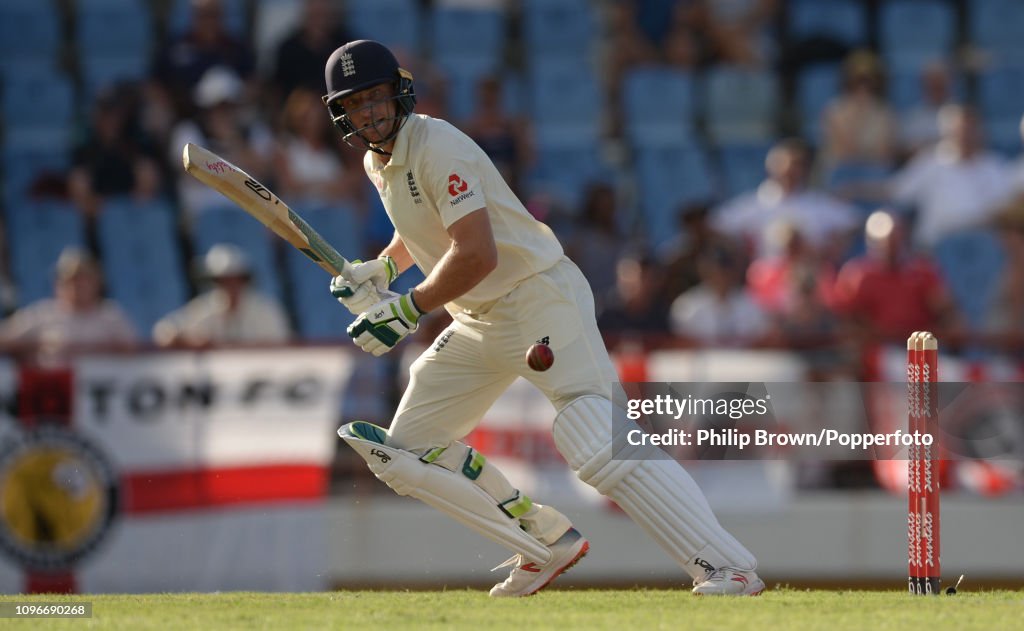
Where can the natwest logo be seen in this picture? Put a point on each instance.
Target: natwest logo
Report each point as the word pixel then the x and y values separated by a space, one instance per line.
pixel 456 185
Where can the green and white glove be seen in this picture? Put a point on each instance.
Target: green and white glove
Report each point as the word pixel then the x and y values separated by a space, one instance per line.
pixel 385 324
pixel 364 284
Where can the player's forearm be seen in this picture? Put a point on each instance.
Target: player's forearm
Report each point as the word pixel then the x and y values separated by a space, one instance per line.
pixel 459 270
pixel 399 253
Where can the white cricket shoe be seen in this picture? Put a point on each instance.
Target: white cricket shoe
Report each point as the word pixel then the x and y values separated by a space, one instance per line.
pixel 728 582
pixel 528 578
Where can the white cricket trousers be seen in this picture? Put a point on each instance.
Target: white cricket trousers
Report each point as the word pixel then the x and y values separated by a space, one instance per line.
pixel 457 379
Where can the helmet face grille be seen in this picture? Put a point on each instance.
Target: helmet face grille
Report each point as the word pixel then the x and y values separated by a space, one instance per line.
pixel 404 101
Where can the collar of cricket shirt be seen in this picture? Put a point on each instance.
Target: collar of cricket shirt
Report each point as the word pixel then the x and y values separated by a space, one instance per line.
pixel 400 152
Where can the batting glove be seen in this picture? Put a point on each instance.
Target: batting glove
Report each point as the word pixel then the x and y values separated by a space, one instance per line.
pixel 364 284
pixel 385 324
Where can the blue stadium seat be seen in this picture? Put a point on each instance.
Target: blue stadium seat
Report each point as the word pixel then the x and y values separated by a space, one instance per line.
pixel 564 170
pixel 912 32
pixel 114 28
pixel 741 105
pixel 230 224
pixel 971 262
pixel 997 27
pixel 654 18
pixel 274 20
pixel 141 259
pixel 658 106
pixel 816 86
pixel 513 95
pixel 103 72
pixel 742 166
pixel 848 173
pixel 461 91
pixel 12 70
pixel 669 178
pixel 844 21
pixel 37 97
pixel 469 38
pixel 558 30
pixel 29 32
pixel 467 44
pixel 235 17
pixel 318 315
pixel 23 164
pixel 566 103
pixel 904 88
pixel 37 108
pixel 461 83
pixel 1001 101
pixel 394 23
pixel 37 232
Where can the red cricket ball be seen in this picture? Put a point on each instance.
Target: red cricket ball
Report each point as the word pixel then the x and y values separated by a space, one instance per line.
pixel 540 357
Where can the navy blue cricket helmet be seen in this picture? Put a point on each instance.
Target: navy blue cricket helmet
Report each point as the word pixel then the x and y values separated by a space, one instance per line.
pixel 360 65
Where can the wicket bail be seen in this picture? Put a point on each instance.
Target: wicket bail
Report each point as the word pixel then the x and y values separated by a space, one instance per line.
pixel 923 516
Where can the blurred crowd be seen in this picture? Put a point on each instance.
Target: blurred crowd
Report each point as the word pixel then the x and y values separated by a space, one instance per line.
pixel 727 173
pixel 838 232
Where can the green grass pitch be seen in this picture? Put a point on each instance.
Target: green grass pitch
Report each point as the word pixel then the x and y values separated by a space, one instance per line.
pixel 554 609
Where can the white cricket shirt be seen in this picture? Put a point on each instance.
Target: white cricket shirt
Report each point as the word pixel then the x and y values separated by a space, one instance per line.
pixel 952 194
pixel 438 175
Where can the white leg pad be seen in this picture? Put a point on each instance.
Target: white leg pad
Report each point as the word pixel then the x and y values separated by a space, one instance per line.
pixel 654 490
pixel 451 492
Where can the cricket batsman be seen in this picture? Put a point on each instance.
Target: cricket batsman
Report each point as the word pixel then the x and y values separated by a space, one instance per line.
pixel 504 279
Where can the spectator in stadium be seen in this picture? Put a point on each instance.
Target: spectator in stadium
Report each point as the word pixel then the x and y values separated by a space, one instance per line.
pixel 637 303
pixel 223 126
pixel 794 289
pixel 298 58
pixel 596 242
pixel 684 46
pixel 887 292
pixel 776 280
pixel 309 166
pixel 682 50
pixel 919 125
pixel 827 223
pixel 231 312
pixel 719 311
pixel 504 138
pixel 679 255
pixel 78 317
pixel 114 158
pixel 431 94
pixel 805 321
pixel 629 45
pixel 1005 317
pixel 205 44
pixel 859 126
pixel 740 31
pixel 955 185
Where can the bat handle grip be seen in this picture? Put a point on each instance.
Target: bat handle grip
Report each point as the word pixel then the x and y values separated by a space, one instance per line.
pixel 345 290
pixel 345 272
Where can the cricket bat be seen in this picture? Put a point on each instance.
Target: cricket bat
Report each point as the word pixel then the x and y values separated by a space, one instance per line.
pixel 267 208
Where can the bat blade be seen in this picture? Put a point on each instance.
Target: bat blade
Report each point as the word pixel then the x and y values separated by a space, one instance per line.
pixel 257 200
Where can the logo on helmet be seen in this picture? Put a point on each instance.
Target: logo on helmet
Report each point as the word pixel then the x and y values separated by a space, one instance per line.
pixel 348 65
